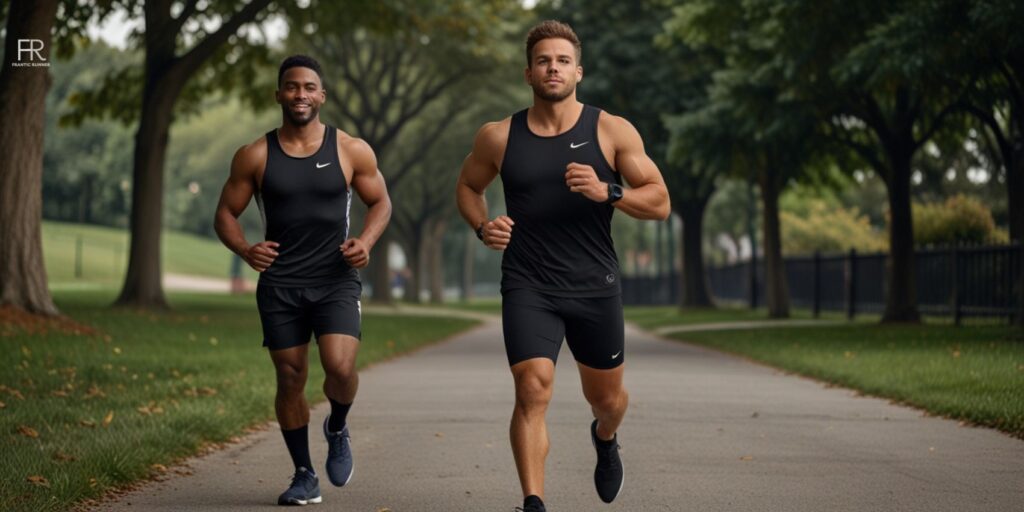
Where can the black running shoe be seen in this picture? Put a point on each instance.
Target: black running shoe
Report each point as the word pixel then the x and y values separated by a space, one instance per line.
pixel 305 489
pixel 531 508
pixel 608 475
pixel 339 455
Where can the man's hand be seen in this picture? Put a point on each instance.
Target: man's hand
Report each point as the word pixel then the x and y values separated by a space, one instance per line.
pixel 498 232
pixel 261 255
pixel 355 252
pixel 583 179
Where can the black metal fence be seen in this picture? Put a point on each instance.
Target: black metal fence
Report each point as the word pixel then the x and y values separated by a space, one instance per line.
pixel 957 282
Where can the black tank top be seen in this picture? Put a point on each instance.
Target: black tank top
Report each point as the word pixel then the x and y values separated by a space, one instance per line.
pixel 561 242
pixel 305 207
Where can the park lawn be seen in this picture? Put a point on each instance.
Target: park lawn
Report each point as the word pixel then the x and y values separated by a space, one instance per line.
pixel 488 305
pixel 974 373
pixel 653 317
pixel 90 412
pixel 104 255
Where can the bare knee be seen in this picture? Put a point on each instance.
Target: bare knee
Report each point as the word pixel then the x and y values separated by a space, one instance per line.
pixel 610 402
pixel 533 393
pixel 341 373
pixel 291 379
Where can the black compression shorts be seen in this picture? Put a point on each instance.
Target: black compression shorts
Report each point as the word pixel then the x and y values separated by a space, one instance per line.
pixel 290 315
pixel 535 323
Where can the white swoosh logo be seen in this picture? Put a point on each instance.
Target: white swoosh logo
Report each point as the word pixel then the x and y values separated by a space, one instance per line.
pixel 574 146
pixel 616 356
pixel 321 166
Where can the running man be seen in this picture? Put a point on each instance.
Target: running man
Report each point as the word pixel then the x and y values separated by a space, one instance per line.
pixel 562 164
pixel 303 175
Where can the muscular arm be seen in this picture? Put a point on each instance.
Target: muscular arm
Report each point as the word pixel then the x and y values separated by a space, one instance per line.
pixel 478 171
pixel 647 198
pixel 369 183
pixel 235 196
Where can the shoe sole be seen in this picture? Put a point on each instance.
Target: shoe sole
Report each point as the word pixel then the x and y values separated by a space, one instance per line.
pixel 296 501
pixel 350 473
pixel 622 482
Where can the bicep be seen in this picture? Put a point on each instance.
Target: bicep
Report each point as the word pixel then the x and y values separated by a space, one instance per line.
pixel 367 179
pixel 632 161
pixel 240 186
pixel 477 172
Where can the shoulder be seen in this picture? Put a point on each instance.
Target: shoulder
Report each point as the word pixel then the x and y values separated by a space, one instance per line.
pixel 251 156
pixel 616 126
pixel 358 150
pixel 494 134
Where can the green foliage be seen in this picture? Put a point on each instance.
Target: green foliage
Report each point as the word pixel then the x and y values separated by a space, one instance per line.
pixel 958 220
pixel 148 390
pixel 826 227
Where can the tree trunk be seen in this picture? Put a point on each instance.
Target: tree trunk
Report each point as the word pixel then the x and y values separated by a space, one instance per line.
pixel 694 278
pixel 435 257
pixel 22 107
pixel 414 258
pixel 776 288
pixel 142 284
pixel 380 271
pixel 901 295
pixel 468 258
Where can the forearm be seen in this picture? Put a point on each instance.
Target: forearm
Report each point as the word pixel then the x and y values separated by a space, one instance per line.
pixel 230 232
pixel 472 206
pixel 377 217
pixel 649 202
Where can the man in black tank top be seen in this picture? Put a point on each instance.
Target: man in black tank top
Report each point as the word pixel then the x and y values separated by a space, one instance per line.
pixel 562 164
pixel 302 176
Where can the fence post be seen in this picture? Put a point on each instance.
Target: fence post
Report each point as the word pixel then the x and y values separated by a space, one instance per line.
pixel 78 257
pixel 954 259
pixel 851 284
pixel 816 308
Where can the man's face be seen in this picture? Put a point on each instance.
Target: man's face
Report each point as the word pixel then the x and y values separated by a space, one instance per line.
pixel 300 95
pixel 553 71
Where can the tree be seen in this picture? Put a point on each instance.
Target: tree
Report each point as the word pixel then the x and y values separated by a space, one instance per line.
pixel 179 41
pixel 22 106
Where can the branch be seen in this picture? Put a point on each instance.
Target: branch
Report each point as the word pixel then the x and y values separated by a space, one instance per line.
pixel 205 48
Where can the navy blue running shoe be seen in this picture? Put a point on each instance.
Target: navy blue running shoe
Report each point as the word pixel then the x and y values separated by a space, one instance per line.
pixel 339 455
pixel 305 489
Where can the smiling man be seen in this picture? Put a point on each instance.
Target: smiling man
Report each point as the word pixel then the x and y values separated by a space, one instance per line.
pixel 302 175
pixel 562 164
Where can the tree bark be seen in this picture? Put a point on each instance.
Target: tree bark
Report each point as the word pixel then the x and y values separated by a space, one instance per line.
pixel 694 278
pixel 435 258
pixel 468 258
pixel 776 288
pixel 23 90
pixel 380 272
pixel 414 257
pixel 901 295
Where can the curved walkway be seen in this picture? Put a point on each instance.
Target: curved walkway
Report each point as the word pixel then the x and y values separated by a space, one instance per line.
pixel 705 432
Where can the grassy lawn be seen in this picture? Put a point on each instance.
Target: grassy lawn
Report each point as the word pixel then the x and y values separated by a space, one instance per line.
pixel 653 317
pixel 491 305
pixel 82 413
pixel 973 373
pixel 104 255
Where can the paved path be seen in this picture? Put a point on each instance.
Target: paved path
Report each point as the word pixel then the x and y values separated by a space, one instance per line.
pixel 705 432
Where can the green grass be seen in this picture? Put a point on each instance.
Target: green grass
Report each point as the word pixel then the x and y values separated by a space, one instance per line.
pixel 169 384
pixel 653 317
pixel 973 373
pixel 104 255
pixel 490 305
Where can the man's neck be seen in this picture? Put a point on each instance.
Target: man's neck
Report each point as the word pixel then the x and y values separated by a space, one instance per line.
pixel 554 117
pixel 313 130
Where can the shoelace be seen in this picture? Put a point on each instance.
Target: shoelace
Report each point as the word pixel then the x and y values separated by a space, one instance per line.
pixel 337 441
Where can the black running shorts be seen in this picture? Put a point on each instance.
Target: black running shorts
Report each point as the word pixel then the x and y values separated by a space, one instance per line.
pixel 535 324
pixel 290 315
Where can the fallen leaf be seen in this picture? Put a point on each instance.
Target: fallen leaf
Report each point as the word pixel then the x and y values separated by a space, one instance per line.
pixel 94 391
pixel 205 391
pixel 117 350
pixel 956 354
pixel 25 351
pixel 213 341
pixel 439 434
pixel 756 414
pixel 2 405
pixel 383 509
pixel 28 431
pixel 144 410
pixel 849 355
pixel 39 480
pixel 59 455
pixel 93 482
pixel 747 457
pixel 108 418
pixel 158 467
pixel 59 392
pixel 87 423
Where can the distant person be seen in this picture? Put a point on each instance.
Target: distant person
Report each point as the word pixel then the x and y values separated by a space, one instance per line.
pixel 562 164
pixel 302 175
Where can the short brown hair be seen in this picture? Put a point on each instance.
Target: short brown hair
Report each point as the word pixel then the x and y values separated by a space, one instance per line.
pixel 551 29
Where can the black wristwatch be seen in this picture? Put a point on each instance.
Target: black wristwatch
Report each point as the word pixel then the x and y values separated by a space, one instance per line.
pixel 614 193
pixel 480 232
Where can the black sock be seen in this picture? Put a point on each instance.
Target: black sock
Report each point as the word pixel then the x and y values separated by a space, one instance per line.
pixel 601 443
pixel 297 441
pixel 534 500
pixel 339 412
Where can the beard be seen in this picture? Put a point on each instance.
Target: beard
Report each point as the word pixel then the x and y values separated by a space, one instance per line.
pixel 553 96
pixel 298 118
